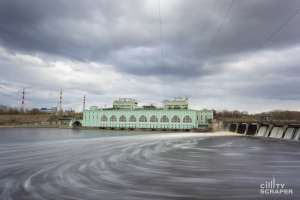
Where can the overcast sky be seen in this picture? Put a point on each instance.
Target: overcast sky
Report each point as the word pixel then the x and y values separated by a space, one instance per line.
pixel 223 54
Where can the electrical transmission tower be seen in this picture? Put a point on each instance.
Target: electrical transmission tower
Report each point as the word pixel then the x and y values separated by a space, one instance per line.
pixel 60 101
pixel 23 101
pixel 83 106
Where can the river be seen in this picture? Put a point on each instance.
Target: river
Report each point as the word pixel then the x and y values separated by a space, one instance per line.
pixel 86 164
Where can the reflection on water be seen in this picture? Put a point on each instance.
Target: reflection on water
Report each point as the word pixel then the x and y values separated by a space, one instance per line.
pixel 48 134
pixel 73 164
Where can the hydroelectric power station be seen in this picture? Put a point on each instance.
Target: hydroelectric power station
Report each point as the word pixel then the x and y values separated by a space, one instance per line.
pixel 126 114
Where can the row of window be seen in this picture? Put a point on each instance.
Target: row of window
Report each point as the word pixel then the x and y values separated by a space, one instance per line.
pixel 143 118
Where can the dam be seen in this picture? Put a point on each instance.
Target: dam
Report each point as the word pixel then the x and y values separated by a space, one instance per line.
pixel 286 131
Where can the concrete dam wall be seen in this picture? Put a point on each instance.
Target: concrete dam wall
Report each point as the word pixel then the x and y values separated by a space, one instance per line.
pixel 271 130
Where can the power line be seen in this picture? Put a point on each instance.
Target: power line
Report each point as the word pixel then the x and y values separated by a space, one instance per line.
pixel 160 33
pixel 280 28
pixel 221 24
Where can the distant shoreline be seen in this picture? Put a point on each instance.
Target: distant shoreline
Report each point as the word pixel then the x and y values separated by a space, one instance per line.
pixel 32 126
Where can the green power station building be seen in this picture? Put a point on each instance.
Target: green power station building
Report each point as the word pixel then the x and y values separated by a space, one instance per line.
pixel 126 114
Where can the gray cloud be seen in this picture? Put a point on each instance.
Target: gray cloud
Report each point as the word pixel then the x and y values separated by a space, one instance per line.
pixel 231 44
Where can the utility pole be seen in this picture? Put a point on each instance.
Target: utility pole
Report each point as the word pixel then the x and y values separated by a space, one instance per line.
pixel 23 101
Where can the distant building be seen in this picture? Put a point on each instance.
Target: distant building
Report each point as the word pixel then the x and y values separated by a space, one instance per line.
pixel 125 113
pixel 125 103
pixel 49 110
pixel 265 117
pixel 176 103
pixel 69 111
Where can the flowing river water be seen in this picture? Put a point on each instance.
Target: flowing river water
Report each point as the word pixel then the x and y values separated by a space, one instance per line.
pixel 80 164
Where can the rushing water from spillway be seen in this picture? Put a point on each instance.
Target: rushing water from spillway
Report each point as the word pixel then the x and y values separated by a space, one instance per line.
pixel 262 131
pixel 72 164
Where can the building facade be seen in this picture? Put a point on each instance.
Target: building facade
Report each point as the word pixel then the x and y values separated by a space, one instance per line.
pixel 126 114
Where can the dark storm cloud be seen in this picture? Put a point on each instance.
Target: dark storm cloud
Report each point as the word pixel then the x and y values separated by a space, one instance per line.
pixel 96 30
pixel 48 26
pixel 200 39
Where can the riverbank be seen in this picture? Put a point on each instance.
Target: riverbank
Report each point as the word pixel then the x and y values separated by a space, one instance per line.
pixel 18 119
pixel 41 120
pixel 35 126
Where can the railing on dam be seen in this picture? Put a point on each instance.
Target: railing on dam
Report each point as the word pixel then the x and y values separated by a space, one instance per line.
pixel 262 129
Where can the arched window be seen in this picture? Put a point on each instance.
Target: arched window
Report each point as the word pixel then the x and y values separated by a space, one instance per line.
pixel 103 118
pixel 175 119
pixel 153 119
pixel 113 118
pixel 187 119
pixel 122 119
pixel 164 119
pixel 143 118
pixel 132 118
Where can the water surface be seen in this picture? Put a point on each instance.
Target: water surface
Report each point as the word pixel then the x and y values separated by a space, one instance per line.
pixel 81 164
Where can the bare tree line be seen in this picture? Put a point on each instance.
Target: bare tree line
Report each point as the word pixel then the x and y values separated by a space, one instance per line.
pixel 280 115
